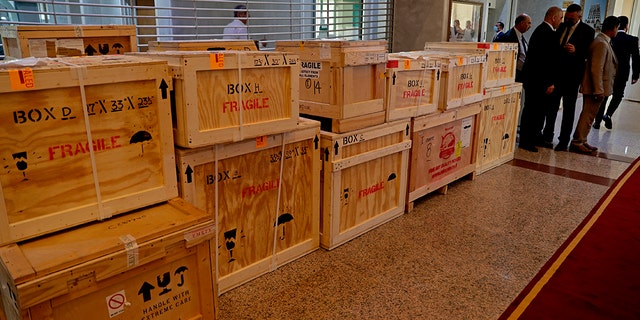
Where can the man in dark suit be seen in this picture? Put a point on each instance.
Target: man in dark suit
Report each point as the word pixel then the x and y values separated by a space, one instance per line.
pixel 499 30
pixel 516 35
pixel 540 78
pixel 597 83
pixel 574 38
pixel 625 47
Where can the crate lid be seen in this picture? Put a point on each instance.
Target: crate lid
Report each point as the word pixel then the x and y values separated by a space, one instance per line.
pixel 333 43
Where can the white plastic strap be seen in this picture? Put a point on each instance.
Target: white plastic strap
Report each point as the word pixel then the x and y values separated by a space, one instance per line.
pixel 216 210
pixel 275 224
pixel 131 247
pixel 240 96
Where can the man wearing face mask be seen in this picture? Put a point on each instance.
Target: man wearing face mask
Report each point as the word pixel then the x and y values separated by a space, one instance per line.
pixel 574 38
pixel 499 30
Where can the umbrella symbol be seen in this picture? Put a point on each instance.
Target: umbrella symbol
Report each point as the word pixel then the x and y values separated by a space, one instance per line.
pixel 282 219
pixel 117 46
pixel 140 137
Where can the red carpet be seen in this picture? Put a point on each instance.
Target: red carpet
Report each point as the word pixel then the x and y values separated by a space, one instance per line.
pixel 595 274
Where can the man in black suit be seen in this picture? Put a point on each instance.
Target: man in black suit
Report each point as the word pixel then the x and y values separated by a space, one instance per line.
pixel 625 47
pixel 516 35
pixel 574 38
pixel 540 78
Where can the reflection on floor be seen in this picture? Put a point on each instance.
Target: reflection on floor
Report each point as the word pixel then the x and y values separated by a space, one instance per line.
pixel 463 255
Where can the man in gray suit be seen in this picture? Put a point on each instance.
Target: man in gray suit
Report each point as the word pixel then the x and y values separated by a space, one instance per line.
pixel 597 83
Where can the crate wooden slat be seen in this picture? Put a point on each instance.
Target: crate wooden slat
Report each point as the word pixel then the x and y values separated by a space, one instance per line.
pixel 498 125
pixel 240 184
pixel 52 41
pixel 227 96
pixel 501 58
pixel 154 262
pixel 462 78
pixel 364 180
pixel 50 178
pixel 202 45
pixel 340 79
pixel 443 150
pixel 413 85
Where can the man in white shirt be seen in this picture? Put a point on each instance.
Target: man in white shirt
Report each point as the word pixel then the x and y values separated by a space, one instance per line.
pixel 237 29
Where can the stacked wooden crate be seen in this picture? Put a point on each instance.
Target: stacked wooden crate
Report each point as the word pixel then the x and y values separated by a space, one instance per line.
pixel 86 139
pixel 246 157
pixel 73 40
pixel 342 83
pixel 500 102
pixel 202 45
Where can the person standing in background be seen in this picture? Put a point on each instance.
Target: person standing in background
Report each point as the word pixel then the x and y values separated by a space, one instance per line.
pixel 540 76
pixel 516 34
pixel 574 37
pixel 499 30
pixel 625 47
pixel 237 29
pixel 597 83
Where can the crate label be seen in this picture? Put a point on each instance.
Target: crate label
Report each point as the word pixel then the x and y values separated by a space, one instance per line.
pixel 199 233
pixel 22 79
pixel 325 51
pixel 407 64
pixel 310 69
pixel 216 61
pixel 261 142
pixel 116 303
pixel 131 247
pixel 467 131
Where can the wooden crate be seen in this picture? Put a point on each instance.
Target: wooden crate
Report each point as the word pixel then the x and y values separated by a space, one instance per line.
pixel 498 126
pixel 340 79
pixel 350 124
pixel 267 210
pixel 51 179
pixel 413 84
pixel 202 45
pixel 462 78
pixel 52 41
pixel 444 149
pixel 501 58
pixel 154 263
pixel 364 180
pixel 211 87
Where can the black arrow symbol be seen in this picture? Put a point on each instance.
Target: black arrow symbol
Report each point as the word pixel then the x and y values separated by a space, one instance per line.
pixel 145 290
pixel 188 173
pixel 407 130
pixel 163 87
pixel 90 50
pixel 326 154
pixel 438 75
pixel 394 78
pixel 315 141
pixel 335 146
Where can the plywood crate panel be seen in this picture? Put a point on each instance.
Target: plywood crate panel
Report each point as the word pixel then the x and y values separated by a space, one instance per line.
pixel 227 96
pixel 364 180
pixel 498 126
pixel 265 196
pixel 413 84
pixel 340 79
pixel 202 45
pixel 462 78
pixel 153 263
pixel 52 41
pixel 501 58
pixel 443 149
pixel 83 139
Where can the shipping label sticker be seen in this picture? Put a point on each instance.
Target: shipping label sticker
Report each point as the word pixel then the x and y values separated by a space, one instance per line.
pixel 216 61
pixel 261 142
pixel 310 69
pixel 407 64
pixel 22 79
pixel 467 131
pixel 199 233
pixel 325 51
pixel 116 303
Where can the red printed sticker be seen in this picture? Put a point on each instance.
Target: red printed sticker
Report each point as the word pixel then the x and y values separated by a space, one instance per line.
pixel 22 79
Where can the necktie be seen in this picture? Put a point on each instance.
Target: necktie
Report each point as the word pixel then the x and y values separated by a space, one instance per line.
pixel 566 36
pixel 524 45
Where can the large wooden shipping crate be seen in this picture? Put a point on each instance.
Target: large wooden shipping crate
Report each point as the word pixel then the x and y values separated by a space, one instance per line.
pixel 153 263
pixel 265 196
pixel 202 45
pixel 52 41
pixel 82 139
pixel 227 96
pixel 364 180
pixel 413 84
pixel 462 78
pixel 498 126
pixel 444 149
pixel 501 58
pixel 340 79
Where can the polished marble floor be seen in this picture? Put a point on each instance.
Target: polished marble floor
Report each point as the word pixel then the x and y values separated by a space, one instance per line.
pixel 462 255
